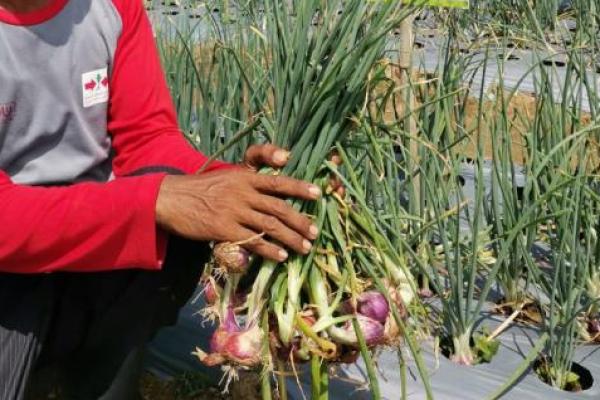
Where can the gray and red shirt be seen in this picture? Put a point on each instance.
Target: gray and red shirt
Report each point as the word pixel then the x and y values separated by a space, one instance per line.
pixel 83 99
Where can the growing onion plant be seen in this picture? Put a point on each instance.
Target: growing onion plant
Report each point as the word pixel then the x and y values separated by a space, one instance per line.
pixel 567 288
pixel 566 153
pixel 591 248
pixel 511 199
pixel 451 256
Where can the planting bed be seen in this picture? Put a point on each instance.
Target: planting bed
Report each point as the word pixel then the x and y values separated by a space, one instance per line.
pixel 452 382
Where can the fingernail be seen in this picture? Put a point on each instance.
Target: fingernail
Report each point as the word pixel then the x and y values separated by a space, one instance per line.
pixel 283 255
pixel 313 230
pixel 281 156
pixel 315 191
pixel 307 245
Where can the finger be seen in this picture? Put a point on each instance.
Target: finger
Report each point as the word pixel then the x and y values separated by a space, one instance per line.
pixel 257 245
pixel 278 231
pixel 265 154
pixel 284 186
pixel 288 215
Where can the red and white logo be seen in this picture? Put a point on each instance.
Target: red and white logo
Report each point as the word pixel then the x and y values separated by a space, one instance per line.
pixel 95 87
pixel 7 111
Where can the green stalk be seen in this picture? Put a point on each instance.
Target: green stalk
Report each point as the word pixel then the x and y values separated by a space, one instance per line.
pixel 265 380
pixel 294 284
pixel 320 378
pixel 369 364
pixel 462 348
pixel 255 300
pixel 403 376
pixel 281 382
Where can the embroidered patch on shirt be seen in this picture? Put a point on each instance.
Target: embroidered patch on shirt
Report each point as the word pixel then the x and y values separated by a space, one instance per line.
pixel 7 111
pixel 95 87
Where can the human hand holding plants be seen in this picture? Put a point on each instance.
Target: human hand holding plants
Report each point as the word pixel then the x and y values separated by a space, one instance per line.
pixel 238 205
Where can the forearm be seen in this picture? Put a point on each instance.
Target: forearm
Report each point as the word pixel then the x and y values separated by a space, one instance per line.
pixel 84 227
pixel 165 150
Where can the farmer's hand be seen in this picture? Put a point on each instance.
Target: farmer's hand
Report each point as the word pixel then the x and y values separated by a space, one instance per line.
pixel 258 156
pixel 272 156
pixel 237 205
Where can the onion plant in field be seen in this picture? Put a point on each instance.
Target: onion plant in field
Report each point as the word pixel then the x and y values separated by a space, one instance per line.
pixel 567 284
pixel 591 247
pixel 456 277
pixel 564 156
pixel 539 132
pixel 510 199
pixel 451 236
pixel 548 25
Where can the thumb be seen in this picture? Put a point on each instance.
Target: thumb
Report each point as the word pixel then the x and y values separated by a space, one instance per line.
pixel 261 155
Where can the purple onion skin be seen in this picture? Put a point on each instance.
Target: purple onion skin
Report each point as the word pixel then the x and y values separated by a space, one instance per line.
pixel 230 323
pixel 218 340
pixel 240 348
pixel 372 330
pixel 244 257
pixel 373 305
pixel 372 312
pixel 231 257
pixel 228 327
pixel 244 347
pixel 230 343
pixel 211 295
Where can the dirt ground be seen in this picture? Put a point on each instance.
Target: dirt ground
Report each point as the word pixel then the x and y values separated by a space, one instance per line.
pixel 521 112
pixel 187 387
pixel 182 388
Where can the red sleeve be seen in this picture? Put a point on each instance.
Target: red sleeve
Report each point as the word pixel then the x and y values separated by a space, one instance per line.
pixel 142 118
pixel 84 227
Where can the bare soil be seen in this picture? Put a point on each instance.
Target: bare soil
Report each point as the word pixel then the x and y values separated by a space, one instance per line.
pixel 188 387
pixel 521 109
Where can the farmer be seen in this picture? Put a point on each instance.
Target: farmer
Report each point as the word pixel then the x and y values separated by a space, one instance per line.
pixel 104 215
